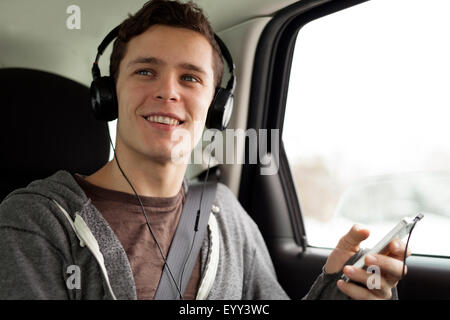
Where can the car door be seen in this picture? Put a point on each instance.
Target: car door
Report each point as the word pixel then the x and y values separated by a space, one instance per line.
pixel 387 180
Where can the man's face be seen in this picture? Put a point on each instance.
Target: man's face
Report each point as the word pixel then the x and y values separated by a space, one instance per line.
pixel 164 88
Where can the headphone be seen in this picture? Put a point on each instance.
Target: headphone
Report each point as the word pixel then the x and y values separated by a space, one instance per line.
pixel 104 99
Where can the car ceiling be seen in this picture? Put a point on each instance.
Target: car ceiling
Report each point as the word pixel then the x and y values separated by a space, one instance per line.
pixel 33 34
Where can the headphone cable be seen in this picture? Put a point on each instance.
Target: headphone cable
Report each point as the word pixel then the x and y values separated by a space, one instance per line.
pixel 146 219
pixel 416 219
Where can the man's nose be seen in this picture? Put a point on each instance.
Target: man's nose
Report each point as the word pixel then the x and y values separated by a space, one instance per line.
pixel 167 89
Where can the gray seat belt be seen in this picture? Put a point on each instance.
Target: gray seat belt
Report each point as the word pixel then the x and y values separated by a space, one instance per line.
pixel 182 241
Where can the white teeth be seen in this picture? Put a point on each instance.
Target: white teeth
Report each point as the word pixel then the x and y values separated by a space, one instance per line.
pixel 164 120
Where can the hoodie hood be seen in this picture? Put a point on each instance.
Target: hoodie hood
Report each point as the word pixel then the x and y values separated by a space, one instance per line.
pixel 60 187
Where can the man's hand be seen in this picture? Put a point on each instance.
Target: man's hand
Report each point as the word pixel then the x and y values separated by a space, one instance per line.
pixel 391 266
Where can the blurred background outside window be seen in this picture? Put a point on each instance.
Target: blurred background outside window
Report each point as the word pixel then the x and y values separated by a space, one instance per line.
pixel 367 129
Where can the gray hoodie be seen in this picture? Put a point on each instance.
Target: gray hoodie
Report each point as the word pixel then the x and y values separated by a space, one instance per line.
pixel 50 232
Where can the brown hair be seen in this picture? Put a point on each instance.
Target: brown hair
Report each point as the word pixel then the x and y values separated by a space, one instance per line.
pixel 171 13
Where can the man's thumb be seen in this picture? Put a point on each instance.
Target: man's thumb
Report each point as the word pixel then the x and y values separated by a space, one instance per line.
pixel 353 238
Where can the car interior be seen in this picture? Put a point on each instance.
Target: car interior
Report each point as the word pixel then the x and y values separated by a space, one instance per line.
pixel 45 65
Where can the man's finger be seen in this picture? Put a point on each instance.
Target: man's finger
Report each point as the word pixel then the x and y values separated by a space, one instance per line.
pixel 396 249
pixel 356 292
pixel 391 268
pixel 353 238
pixel 366 279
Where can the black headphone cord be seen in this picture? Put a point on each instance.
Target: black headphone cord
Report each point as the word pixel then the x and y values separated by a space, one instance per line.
pixel 146 219
pixel 416 219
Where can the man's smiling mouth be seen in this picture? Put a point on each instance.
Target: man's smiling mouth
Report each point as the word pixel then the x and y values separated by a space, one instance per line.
pixel 163 120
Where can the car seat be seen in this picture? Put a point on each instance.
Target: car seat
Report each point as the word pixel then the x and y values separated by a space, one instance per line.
pixel 47 125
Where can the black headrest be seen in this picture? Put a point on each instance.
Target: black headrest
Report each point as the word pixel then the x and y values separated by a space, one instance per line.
pixel 46 125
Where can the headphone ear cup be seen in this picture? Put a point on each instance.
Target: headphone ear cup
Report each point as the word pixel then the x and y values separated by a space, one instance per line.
pixel 104 99
pixel 220 110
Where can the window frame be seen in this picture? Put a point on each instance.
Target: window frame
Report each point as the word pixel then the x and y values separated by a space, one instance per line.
pixel 268 96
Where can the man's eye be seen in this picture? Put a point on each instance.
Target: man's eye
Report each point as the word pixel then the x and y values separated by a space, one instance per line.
pixel 144 72
pixel 190 78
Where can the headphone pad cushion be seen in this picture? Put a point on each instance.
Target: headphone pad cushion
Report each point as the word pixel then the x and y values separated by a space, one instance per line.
pixel 220 110
pixel 104 99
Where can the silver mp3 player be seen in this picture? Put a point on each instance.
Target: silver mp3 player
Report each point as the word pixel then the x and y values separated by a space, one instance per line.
pixel 401 230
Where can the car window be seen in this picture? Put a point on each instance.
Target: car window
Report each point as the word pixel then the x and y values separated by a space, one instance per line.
pixel 366 126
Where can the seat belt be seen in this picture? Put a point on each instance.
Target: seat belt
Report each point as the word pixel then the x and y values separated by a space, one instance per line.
pixel 182 241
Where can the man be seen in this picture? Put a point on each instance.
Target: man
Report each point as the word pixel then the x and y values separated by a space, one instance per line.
pixel 166 66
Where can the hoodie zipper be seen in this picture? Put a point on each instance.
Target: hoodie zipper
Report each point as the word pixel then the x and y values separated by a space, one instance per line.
pixel 87 239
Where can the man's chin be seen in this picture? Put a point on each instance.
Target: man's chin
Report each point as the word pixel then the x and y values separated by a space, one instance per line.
pixel 169 157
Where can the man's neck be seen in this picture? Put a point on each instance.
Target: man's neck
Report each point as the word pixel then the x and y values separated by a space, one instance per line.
pixel 149 179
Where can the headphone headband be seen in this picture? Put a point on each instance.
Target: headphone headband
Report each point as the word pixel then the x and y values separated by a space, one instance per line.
pixel 228 58
pixel 101 48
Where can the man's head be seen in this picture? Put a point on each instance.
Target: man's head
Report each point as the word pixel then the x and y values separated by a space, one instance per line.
pixel 166 66
pixel 169 13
